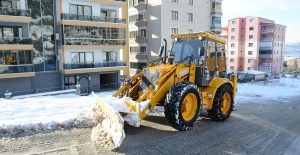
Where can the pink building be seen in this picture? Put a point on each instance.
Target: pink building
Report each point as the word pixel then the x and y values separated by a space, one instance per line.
pixel 254 43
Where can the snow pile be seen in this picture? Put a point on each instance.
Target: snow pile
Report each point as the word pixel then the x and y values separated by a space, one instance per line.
pixel 110 133
pixel 107 133
pixel 271 89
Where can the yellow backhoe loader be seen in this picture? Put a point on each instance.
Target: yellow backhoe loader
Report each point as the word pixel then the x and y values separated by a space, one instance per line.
pixel 188 78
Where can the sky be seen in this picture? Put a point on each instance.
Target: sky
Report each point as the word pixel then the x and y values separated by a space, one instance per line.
pixel 284 12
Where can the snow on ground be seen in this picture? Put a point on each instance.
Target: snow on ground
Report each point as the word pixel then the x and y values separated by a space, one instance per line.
pixel 44 113
pixel 276 88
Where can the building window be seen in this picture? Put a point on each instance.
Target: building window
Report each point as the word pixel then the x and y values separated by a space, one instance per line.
pixel 232 37
pixel 217 5
pixel 233 22
pixel 232 45
pixel 138 65
pixel 82 57
pixel 250 52
pixel 191 2
pixel 216 21
pixel 250 60
pixel 174 15
pixel 80 9
pixel 190 17
pixel 249 68
pixel 232 52
pixel 138 50
pixel 251 36
pixel 189 30
pixel 251 20
pixel 137 17
pixel 231 60
pixel 233 29
pixel 250 45
pixel 136 2
pixel 138 34
pixel 251 28
pixel 15 57
pixel 176 1
pixel 232 68
pixel 174 30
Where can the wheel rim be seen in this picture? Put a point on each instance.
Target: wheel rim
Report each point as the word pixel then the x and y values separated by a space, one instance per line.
pixel 225 104
pixel 189 107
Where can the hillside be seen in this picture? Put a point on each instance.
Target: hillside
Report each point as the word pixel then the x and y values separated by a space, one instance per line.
pixel 292 50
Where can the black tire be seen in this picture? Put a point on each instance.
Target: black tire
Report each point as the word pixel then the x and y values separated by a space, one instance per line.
pixel 177 103
pixel 222 104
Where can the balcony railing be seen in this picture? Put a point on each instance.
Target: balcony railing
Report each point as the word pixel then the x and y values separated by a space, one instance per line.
pixel 66 16
pixel 16 40
pixel 267 31
pixel 138 53
pixel 265 55
pixel 10 69
pixel 266 39
pixel 94 65
pixel 15 12
pixel 266 48
pixel 216 11
pixel 268 64
pixel 92 41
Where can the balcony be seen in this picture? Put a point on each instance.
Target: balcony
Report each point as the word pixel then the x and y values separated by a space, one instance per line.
pixel 141 6
pixel 15 15
pixel 94 41
pixel 266 48
pixel 138 40
pixel 267 31
pixel 265 55
pixel 138 55
pixel 66 16
pixel 216 12
pixel 15 12
pixel 266 39
pixel 265 64
pixel 94 65
pixel 11 69
pixel 15 43
pixel 16 40
pixel 139 23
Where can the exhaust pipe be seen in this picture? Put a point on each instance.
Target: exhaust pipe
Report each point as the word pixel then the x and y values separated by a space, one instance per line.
pixel 165 58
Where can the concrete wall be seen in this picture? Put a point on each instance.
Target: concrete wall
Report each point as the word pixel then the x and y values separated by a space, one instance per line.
pixel 22 86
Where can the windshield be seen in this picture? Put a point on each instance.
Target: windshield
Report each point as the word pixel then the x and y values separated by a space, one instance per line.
pixel 187 47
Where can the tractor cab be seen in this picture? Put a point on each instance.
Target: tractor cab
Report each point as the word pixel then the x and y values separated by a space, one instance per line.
pixel 208 54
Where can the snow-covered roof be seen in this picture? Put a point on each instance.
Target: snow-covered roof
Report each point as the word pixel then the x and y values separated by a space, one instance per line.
pixel 254 72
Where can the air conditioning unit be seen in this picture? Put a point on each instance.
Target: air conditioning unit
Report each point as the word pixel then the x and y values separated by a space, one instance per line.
pixel 57 37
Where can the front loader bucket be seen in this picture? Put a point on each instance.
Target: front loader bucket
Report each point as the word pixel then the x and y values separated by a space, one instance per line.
pixel 110 131
pixel 108 111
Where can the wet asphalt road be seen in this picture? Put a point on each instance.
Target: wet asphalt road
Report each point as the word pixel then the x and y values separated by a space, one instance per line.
pixel 257 127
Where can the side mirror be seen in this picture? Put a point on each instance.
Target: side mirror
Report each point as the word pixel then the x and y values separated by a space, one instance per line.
pixel 161 51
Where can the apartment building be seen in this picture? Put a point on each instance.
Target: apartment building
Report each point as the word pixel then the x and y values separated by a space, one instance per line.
pixel 151 21
pixel 293 62
pixel 49 45
pixel 255 43
pixel 92 42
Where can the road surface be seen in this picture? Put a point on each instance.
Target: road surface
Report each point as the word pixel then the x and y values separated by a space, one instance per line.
pixel 257 127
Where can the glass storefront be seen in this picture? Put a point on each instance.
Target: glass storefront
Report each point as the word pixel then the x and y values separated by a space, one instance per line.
pixel 41 30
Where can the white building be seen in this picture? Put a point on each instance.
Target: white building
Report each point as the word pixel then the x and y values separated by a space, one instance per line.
pixel 151 21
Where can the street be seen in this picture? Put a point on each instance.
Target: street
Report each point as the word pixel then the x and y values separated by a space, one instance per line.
pixel 257 127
